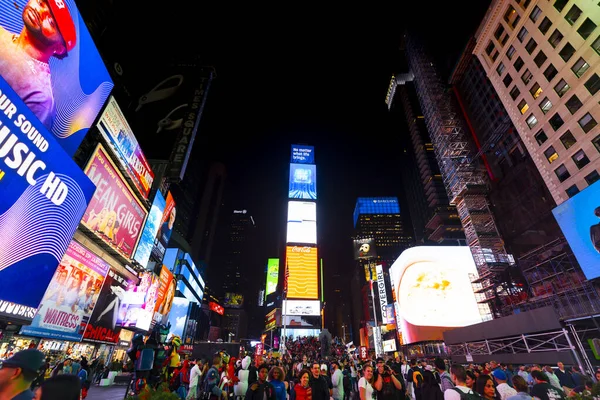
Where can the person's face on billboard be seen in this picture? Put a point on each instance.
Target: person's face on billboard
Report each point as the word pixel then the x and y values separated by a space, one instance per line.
pixel 40 23
pixel 172 217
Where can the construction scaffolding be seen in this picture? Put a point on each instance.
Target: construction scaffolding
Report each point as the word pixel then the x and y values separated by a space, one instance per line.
pixel 466 182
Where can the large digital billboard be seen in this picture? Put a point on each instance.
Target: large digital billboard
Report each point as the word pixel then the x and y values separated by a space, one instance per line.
pixel 151 227
pixel 272 275
pixel 303 181
pixel 376 205
pixel 301 307
pixel 43 195
pixel 115 214
pixel 579 219
pixel 167 223
pixel 166 294
pixel 303 154
pixel 115 129
pixel 71 296
pixel 303 273
pixel 233 300
pixel 49 59
pixel 138 303
pixel 364 249
pixel 302 222
pixel 179 316
pixel 434 291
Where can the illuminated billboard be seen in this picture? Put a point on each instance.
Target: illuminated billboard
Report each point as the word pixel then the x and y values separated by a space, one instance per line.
pixel 43 195
pixel 233 300
pixel 302 222
pixel 434 291
pixel 166 228
pixel 49 59
pixel 301 307
pixel 303 273
pixel 302 154
pixel 272 275
pixel 376 205
pixel 179 316
pixel 579 220
pixel 144 248
pixel 114 214
pixel 303 181
pixel 364 249
pixel 115 129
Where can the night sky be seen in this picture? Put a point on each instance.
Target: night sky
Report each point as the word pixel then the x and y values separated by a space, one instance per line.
pixel 298 73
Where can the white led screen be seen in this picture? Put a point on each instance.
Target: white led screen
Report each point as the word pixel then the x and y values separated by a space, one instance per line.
pixel 302 222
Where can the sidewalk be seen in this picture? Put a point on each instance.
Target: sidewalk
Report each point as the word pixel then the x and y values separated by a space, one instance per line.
pixel 116 392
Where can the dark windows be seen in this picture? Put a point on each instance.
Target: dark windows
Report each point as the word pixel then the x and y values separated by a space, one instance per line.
pixel 596 45
pixel 593 84
pixel 561 87
pixel 573 104
pixel 531 121
pixel 555 38
pixel 559 4
pixel 541 137
pixel 567 52
pixel 580 159
pixel 530 46
pixel 536 90
pixel 551 154
pixel 562 173
pixel 499 32
pixel 545 105
pixel 592 177
pixel 510 52
pixel 491 51
pixel 535 13
pixel 587 122
pixel 596 143
pixel 556 121
pixel 573 15
pixel 580 67
pixel 545 25
pixel 550 72
pixel 519 64
pixel 540 58
pixel 567 139
pixel 522 34
pixel 526 77
pixel 572 190
pixel 500 69
pixel 515 92
pixel 507 80
pixel 511 17
pixel 523 106
pixel 586 28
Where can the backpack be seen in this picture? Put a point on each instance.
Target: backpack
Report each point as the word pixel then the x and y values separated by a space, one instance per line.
pixel 417 378
pixel 388 390
pixel 205 387
pixel 468 396
pixel 446 377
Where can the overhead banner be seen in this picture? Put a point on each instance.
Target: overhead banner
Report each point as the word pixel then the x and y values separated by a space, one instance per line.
pixel 71 296
pixel 43 195
pixel 364 249
pixel 303 274
pixel 272 275
pixel 114 214
pixel 115 129
pixel 165 229
pixel 383 303
pixel 63 81
pixel 151 227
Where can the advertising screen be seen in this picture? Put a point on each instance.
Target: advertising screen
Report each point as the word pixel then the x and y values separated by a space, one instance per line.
pixel 71 296
pixel 144 248
pixel 102 326
pixel 115 129
pixel 58 74
pixel 166 294
pixel 302 222
pixel 166 228
pixel 302 154
pixel 43 195
pixel 303 274
pixel 579 219
pixel 216 307
pixel 434 291
pixel 178 316
pixel 364 249
pixel 305 321
pixel 233 300
pixel 303 181
pixel 301 307
pixel 137 307
pixel 114 214
pixel 272 275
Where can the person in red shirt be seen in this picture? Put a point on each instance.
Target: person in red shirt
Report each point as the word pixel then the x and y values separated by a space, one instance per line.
pixel 302 389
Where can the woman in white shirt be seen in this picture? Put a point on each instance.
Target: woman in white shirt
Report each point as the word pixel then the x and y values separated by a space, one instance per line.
pixel 365 383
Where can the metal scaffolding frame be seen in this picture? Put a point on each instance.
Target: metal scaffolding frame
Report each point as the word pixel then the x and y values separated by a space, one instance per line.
pixel 465 180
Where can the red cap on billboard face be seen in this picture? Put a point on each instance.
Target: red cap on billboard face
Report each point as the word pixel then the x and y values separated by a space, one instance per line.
pixel 63 19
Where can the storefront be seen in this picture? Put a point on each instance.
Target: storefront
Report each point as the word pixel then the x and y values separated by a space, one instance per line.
pixel 59 349
pixel 10 343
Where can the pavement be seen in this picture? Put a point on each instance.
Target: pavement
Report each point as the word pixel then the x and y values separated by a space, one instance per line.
pixel 116 392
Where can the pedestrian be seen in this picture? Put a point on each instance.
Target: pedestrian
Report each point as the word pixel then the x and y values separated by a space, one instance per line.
pixel 60 387
pixel 18 372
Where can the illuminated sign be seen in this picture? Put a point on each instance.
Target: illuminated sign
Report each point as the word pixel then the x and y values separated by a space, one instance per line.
pixel 303 181
pixel 302 222
pixel 389 345
pixel 233 300
pixel 434 291
pixel 376 205
pixel 301 307
pixel 303 274
pixel 144 248
pixel 8 309
pixel 382 294
pixel 302 154
pixel 364 249
pixel 216 307
pixel 272 275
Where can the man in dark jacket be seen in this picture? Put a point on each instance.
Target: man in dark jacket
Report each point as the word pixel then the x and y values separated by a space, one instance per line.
pixel 318 384
pixel 564 376
pixel 261 389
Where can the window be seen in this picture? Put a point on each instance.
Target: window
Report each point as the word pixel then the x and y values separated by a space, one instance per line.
pixel 551 154
pixel 567 52
pixel 587 122
pixel 596 45
pixel 545 105
pixel 541 137
pixel 511 17
pixel 593 84
pixel 573 104
pixel 536 90
pixel 526 77
pixel 561 87
pixel 572 191
pixel 531 121
pixel 499 32
pixel 573 15
pixel 580 159
pixel 562 173
pixel 592 177
pixel 540 58
pixel 510 52
pixel 519 64
pixel 560 4
pixel 545 25
pixel 555 38
pixel 586 28
pixel 580 67
pixel 523 106
pixel 535 14
pixel 556 121
pixel 491 51
pixel 530 46
pixel 550 72
pixel 522 34
pixel 596 142
pixel 500 69
pixel 568 139
pixel 515 92
pixel 507 80
pixel 524 3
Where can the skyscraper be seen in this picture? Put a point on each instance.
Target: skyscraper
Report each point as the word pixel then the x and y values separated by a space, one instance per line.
pixel 242 237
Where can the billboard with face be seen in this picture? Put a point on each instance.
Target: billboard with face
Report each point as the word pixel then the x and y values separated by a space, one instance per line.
pixel 151 227
pixel 434 291
pixel 165 229
pixel 49 59
pixel 43 195
pixel 303 181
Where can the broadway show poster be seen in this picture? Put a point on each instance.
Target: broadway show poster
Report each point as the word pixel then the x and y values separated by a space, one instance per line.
pixel 71 296
pixel 151 227
pixel 166 228
pixel 114 213
pixel 43 195
pixel 137 308
pixel 166 294
pixel 102 326
pixel 63 81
